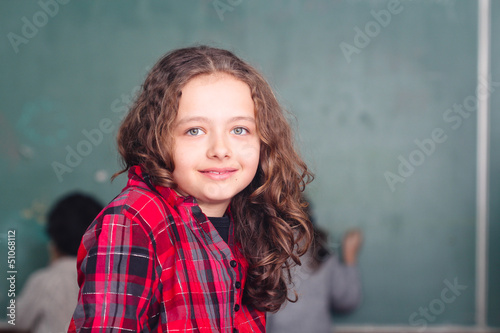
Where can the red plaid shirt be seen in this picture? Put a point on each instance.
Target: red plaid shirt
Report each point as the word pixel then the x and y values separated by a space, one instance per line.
pixel 152 262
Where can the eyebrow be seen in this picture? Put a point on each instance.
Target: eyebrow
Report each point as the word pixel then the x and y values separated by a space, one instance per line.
pixel 206 120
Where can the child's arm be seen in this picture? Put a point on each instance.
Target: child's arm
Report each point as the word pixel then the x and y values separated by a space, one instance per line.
pixel 350 246
pixel 117 277
pixel 346 285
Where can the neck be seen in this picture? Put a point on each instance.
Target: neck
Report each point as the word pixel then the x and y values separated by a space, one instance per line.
pixel 55 254
pixel 213 210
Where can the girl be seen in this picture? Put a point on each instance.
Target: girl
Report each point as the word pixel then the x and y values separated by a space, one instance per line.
pixel 202 236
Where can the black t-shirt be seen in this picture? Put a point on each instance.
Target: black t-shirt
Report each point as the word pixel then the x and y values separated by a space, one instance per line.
pixel 222 226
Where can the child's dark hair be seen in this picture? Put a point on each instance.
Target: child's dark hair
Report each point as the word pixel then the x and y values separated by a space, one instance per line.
pixel 270 222
pixel 319 245
pixel 69 219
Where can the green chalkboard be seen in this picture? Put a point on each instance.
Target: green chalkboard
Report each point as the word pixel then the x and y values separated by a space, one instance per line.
pixel 372 85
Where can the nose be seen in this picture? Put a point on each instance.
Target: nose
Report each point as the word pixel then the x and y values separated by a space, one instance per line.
pixel 219 147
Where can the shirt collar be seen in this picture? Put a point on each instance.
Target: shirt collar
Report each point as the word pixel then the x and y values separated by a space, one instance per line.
pixel 138 177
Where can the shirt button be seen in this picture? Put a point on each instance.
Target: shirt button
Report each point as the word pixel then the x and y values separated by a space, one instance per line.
pixel 236 307
pixel 233 263
pixel 237 284
pixel 235 330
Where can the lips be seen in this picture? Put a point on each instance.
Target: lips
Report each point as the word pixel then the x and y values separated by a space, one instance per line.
pixel 218 173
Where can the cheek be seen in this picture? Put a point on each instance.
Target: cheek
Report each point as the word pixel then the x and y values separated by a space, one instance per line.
pixel 183 154
pixel 250 153
pixel 180 164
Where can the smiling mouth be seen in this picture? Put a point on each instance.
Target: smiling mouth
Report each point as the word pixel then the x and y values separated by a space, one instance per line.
pixel 218 174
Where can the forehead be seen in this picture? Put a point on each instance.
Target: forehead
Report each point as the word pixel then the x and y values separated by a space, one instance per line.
pixel 214 78
pixel 216 95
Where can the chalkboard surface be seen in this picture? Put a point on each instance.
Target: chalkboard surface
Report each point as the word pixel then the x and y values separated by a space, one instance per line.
pixel 372 85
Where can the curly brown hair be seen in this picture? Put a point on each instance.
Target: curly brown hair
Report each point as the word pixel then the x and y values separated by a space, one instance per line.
pixel 270 221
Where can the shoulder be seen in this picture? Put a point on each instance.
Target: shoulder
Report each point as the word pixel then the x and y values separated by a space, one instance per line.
pixel 136 217
pixel 46 279
pixel 39 278
pixel 138 205
pixel 333 263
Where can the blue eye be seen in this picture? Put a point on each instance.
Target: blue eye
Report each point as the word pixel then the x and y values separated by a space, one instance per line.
pixel 240 131
pixel 194 131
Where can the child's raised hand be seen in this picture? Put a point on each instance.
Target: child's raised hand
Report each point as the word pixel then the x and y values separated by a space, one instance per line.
pixel 350 246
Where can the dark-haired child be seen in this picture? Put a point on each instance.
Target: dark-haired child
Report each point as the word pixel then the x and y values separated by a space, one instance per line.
pixel 50 295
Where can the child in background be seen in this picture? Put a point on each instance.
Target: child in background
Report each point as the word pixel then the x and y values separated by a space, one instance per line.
pixel 201 238
pixel 322 284
pixel 49 297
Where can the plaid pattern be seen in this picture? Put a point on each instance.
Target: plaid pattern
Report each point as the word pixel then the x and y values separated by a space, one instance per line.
pixel 152 262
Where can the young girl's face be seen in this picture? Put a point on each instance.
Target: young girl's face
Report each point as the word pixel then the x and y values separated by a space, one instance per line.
pixel 216 146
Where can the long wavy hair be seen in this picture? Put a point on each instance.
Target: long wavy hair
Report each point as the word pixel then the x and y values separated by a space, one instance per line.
pixel 271 224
